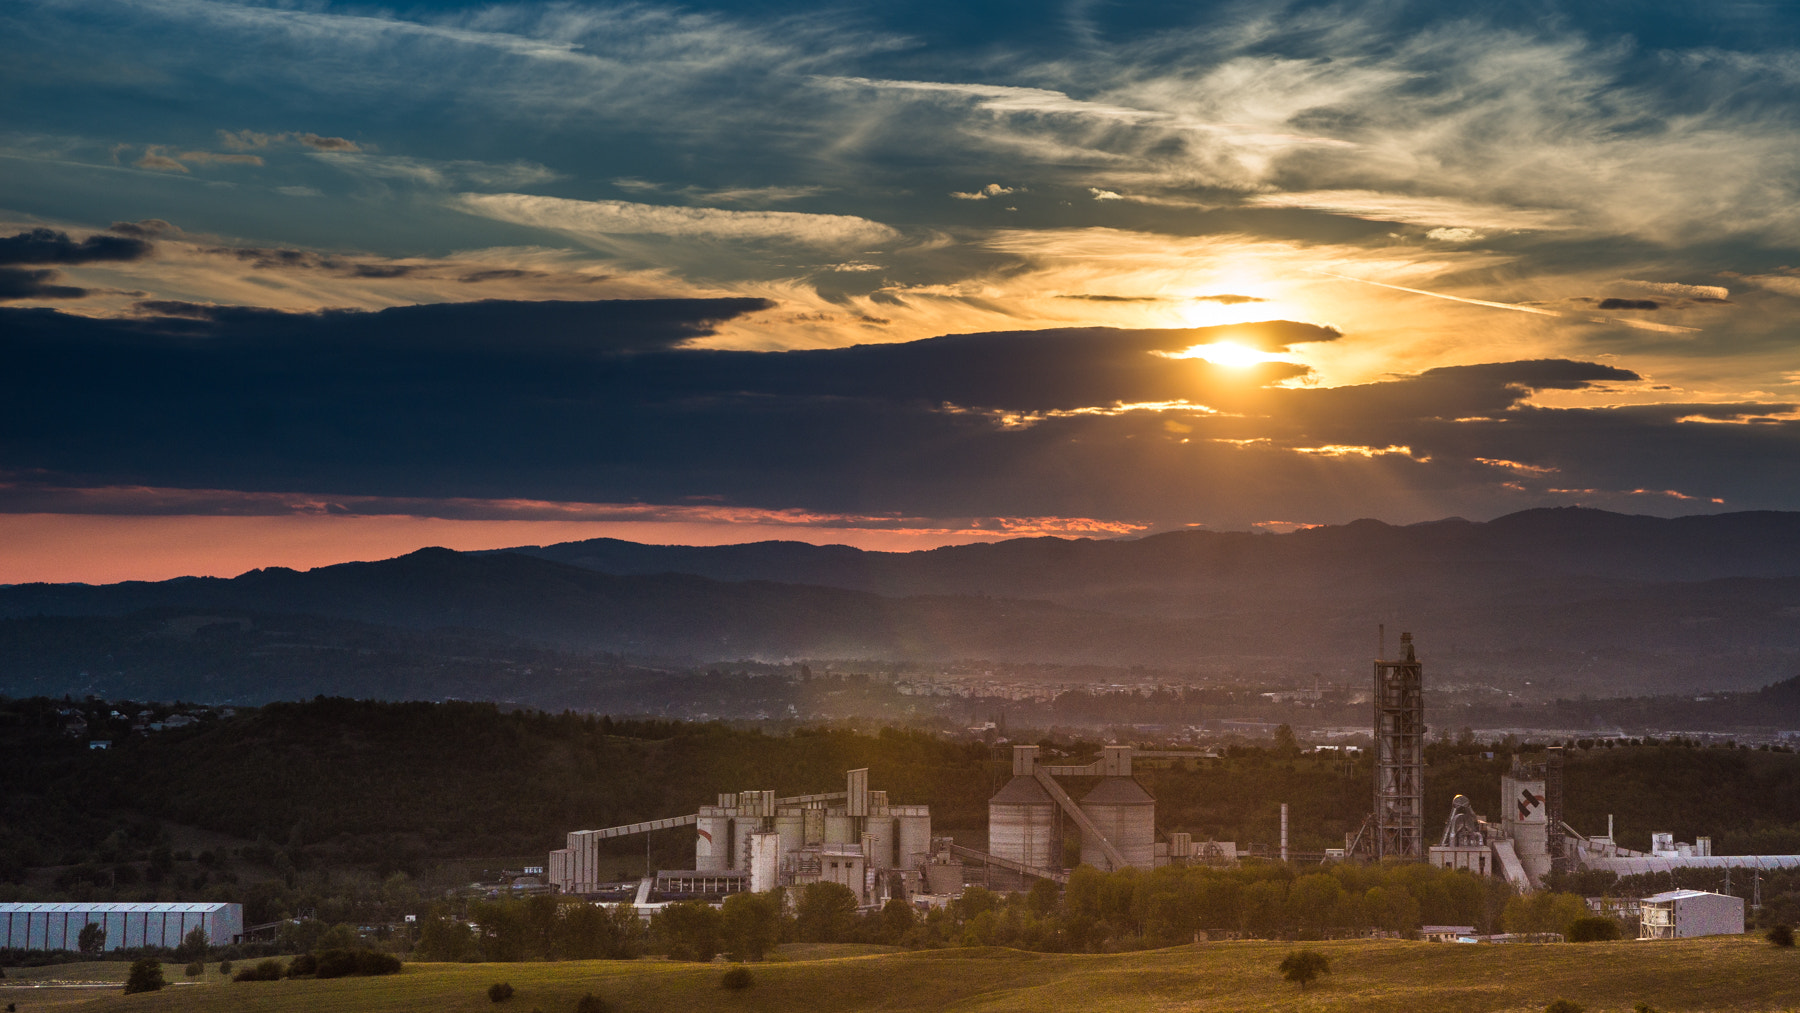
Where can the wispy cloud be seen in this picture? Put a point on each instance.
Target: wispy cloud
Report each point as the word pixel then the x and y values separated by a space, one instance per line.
pixel 605 218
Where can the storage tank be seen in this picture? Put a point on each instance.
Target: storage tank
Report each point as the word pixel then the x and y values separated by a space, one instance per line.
pixel 741 829
pixel 791 825
pixel 841 829
pixel 915 835
pixel 712 843
pixel 1022 824
pixel 1122 810
pixel 880 830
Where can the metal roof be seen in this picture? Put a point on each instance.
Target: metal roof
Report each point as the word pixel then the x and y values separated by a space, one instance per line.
pixel 114 908
pixel 1637 865
pixel 1118 791
pixel 1670 895
pixel 1022 790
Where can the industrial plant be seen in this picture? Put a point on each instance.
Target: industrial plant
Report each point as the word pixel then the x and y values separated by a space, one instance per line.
pixel 756 841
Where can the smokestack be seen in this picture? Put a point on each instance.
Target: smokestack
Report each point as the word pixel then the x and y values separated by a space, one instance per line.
pixel 1284 851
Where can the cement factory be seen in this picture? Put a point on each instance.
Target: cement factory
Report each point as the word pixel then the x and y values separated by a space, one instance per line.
pixel 754 840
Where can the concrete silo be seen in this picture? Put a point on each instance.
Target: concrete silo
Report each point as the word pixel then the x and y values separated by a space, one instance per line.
pixel 1121 809
pixel 1022 824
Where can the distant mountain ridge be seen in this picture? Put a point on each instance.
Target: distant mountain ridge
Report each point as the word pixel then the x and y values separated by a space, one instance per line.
pixel 1573 541
pixel 1564 601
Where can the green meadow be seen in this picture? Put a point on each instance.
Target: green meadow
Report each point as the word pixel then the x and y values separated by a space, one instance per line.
pixel 1728 973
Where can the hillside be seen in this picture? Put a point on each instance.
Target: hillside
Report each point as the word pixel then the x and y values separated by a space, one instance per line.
pixel 1716 974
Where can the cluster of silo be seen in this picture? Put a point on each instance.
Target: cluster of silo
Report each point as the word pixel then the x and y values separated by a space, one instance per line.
pixel 1117 817
pixel 891 837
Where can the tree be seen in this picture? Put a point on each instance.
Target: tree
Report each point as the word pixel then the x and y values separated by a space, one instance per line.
pixel 688 930
pixel 1593 929
pixel 826 913
pixel 737 979
pixel 1780 935
pixel 1303 967
pixel 193 945
pixel 1565 1006
pixel 750 925
pixel 92 939
pixel 591 1003
pixel 145 976
pixel 500 991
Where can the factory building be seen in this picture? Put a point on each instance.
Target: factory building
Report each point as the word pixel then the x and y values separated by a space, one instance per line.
pixel 1683 914
pixel 854 837
pixel 127 926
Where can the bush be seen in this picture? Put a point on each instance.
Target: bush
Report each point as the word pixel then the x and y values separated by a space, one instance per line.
pixel 1780 935
pixel 1565 1006
pixel 145 976
pixel 500 991
pixel 224 967
pixel 267 970
pixel 737 978
pixel 353 963
pixel 305 963
pixel 1593 929
pixel 592 1003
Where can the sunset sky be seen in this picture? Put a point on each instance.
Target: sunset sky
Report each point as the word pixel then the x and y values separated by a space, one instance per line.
pixel 293 283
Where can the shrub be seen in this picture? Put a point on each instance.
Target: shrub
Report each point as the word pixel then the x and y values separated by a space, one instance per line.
pixel 737 978
pixel 1593 929
pixel 1780 935
pixel 224 967
pixel 305 963
pixel 500 991
pixel 145 976
pixel 267 970
pixel 353 963
pixel 592 1003
pixel 1565 1006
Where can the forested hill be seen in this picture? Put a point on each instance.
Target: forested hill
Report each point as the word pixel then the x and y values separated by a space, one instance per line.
pixel 339 783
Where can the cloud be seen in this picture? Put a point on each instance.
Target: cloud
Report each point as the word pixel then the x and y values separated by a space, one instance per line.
pixel 225 159
pixel 20 283
pixel 1629 304
pixel 434 173
pixel 608 217
pixel 1698 293
pixel 1457 219
pixel 48 246
pixel 1785 284
pixel 153 159
pixel 146 229
pixel 250 140
pixel 991 190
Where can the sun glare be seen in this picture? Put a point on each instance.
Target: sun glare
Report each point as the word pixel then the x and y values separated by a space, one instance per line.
pixel 1229 354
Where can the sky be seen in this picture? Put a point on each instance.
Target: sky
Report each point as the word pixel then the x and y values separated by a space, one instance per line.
pixel 295 283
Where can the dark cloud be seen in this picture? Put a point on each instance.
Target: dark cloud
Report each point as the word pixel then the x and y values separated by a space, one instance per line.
pixel 1113 298
pixel 498 274
pixel 1630 304
pixel 381 270
pixel 48 246
pixel 20 283
pixel 146 229
pixel 604 402
pixel 1229 300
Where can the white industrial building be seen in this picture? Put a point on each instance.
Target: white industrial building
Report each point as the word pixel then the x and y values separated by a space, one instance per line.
pixel 854 837
pixel 1683 914
pixel 127 926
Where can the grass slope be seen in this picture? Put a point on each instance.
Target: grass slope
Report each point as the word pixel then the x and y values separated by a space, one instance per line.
pixel 1720 974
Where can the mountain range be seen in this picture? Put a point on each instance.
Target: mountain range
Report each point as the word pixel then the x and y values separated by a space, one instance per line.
pixel 1568 601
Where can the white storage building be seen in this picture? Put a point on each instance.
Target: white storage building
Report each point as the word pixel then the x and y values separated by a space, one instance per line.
pixel 127 926
pixel 1682 914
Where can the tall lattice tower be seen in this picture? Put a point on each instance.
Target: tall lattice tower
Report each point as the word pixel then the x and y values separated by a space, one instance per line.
pixel 1400 756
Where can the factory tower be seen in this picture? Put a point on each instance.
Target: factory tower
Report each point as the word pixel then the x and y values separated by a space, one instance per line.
pixel 1400 756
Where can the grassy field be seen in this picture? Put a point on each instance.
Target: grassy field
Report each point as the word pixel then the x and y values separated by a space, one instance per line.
pixel 1732 973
